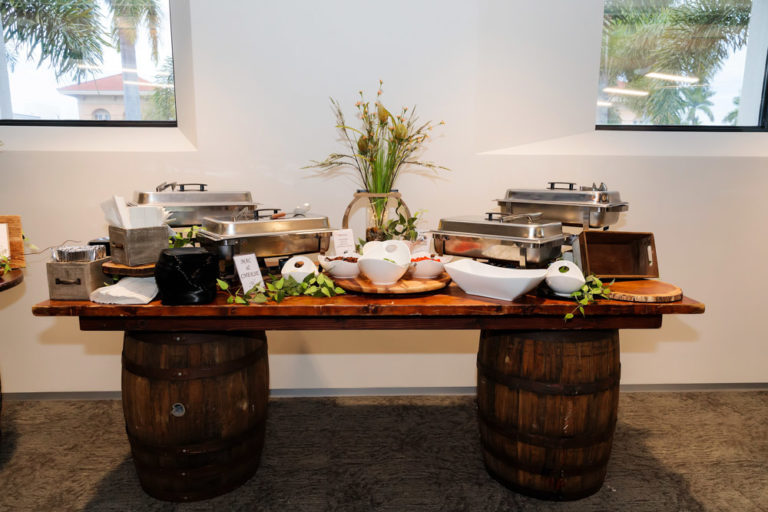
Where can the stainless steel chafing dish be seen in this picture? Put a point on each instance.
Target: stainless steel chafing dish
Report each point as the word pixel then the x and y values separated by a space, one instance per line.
pixel 190 203
pixel 525 239
pixel 588 207
pixel 266 237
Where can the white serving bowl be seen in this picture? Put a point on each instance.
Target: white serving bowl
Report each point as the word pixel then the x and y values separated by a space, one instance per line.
pixel 427 269
pixel 477 278
pixel 381 272
pixel 395 250
pixel 340 269
pixel 564 277
pixel 298 267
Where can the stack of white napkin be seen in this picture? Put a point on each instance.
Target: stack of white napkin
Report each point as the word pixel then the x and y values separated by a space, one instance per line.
pixel 119 214
pixel 129 290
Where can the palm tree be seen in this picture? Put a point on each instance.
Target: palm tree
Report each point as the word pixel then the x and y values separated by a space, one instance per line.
pixel 691 38
pixel 127 17
pixel 67 34
pixel 164 97
pixel 733 116
pixel 697 99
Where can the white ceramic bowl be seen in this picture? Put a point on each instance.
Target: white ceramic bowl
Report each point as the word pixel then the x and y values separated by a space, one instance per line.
pixel 381 272
pixel 298 267
pixel 340 269
pixel 564 277
pixel 485 280
pixel 427 269
pixel 394 250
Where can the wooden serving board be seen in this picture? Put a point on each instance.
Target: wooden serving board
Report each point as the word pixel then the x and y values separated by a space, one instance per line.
pixel 115 269
pixel 405 285
pixel 645 290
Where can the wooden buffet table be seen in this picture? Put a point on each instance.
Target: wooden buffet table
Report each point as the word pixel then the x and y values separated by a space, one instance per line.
pixel 195 381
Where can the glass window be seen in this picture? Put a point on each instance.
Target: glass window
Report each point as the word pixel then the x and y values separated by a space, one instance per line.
pixel 683 63
pixel 72 61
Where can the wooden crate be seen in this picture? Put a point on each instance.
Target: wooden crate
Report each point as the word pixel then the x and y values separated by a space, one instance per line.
pixel 75 280
pixel 140 246
pixel 617 254
pixel 16 239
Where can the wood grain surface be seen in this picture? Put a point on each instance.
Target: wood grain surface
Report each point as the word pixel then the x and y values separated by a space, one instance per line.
pixel 449 308
pixel 11 279
pixel 15 239
pixel 116 269
pixel 645 290
pixel 362 284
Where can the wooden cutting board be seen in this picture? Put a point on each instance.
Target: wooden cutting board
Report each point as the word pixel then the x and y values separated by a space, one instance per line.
pixel 362 284
pixel 115 269
pixel 645 290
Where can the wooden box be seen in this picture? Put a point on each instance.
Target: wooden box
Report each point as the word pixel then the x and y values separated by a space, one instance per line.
pixel 75 280
pixel 140 246
pixel 617 254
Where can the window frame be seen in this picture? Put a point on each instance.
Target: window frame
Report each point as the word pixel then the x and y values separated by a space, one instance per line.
pixel 119 122
pixel 762 125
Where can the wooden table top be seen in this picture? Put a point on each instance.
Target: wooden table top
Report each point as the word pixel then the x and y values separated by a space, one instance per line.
pixel 449 308
pixel 11 279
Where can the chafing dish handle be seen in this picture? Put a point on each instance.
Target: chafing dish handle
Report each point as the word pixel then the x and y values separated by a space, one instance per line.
pixel 551 185
pixel 530 216
pixel 201 186
pixel 490 215
pixel 256 215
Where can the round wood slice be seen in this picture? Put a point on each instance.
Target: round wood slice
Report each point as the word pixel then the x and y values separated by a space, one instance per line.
pixel 115 269
pixel 11 279
pixel 645 290
pixel 406 285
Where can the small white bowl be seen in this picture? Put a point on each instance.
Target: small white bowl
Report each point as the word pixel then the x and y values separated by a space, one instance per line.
pixel 427 269
pixel 298 267
pixel 477 278
pixel 340 269
pixel 564 277
pixel 381 272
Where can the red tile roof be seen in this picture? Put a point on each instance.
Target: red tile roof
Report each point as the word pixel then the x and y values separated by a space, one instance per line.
pixel 108 83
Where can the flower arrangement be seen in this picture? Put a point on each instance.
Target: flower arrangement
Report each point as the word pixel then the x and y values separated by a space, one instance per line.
pixel 378 151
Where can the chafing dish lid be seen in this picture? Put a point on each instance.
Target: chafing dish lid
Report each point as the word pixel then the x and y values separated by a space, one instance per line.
pixel 192 194
pixel 265 226
pixel 518 227
pixel 565 193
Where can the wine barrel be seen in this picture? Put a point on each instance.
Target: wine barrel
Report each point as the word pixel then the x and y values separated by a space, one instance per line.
pixel 547 405
pixel 195 407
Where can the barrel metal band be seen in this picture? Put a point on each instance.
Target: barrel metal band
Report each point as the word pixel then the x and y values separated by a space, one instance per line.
pixel 556 470
pixel 233 465
pixel 198 448
pixel 200 372
pixel 513 434
pixel 547 388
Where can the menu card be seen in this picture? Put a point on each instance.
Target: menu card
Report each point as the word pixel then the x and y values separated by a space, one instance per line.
pixel 248 270
pixel 5 244
pixel 343 241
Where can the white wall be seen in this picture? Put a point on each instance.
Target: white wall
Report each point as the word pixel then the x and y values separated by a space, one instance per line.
pixel 501 74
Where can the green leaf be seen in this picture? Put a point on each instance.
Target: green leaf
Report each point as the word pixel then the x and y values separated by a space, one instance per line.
pixel 260 298
pixel 240 300
pixel 271 287
pixel 585 288
pixel 279 296
pixel 569 316
pixel 308 278
pixel 222 284
pixel 311 290
pixel 326 292
pixel 581 310
pixel 339 290
pixel 230 299
pixel 280 283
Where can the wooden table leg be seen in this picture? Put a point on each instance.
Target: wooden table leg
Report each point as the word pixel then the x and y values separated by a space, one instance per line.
pixel 547 407
pixel 195 406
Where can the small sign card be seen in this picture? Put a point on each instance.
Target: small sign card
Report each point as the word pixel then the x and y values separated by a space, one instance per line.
pixel 5 243
pixel 343 241
pixel 248 270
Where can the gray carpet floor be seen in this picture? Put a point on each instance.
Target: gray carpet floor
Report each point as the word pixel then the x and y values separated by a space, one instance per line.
pixel 672 452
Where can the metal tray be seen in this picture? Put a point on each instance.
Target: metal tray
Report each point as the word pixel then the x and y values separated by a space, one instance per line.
pixel 190 203
pixel 526 240
pixel 589 207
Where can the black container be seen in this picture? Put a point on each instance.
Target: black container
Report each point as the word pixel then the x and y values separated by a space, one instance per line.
pixel 186 276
